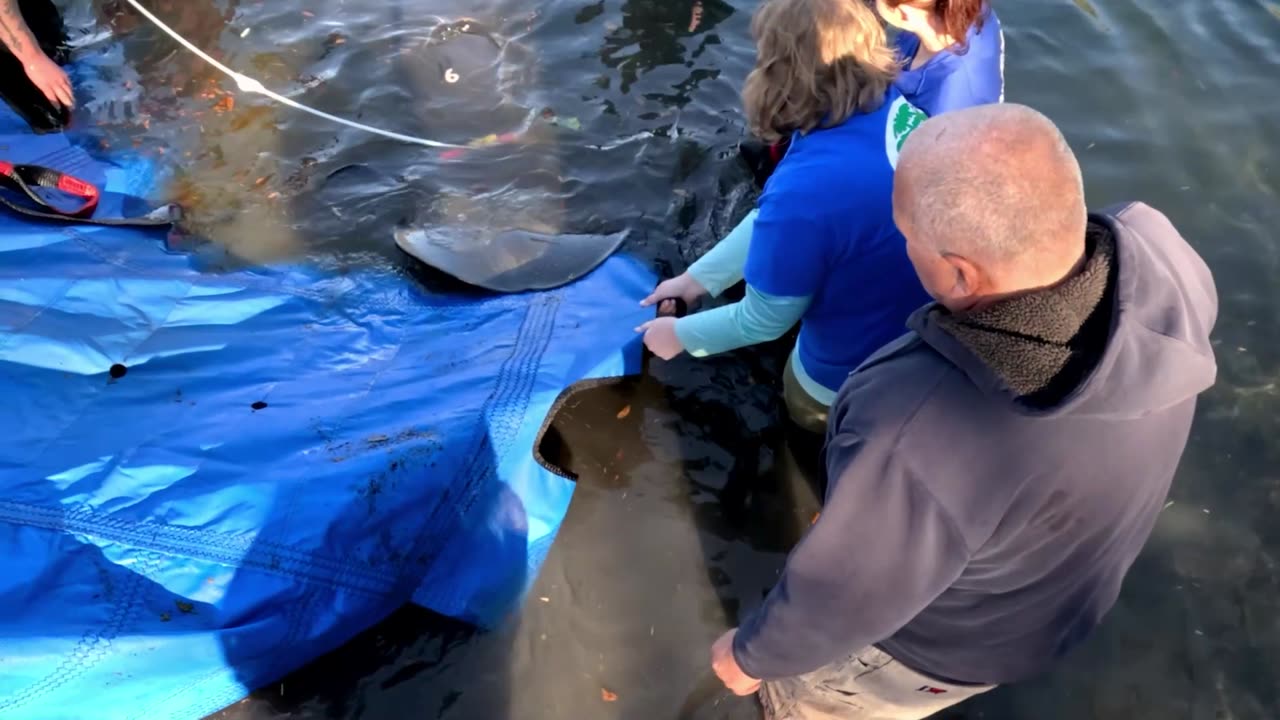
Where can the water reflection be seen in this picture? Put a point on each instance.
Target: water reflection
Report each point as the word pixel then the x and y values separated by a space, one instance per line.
pixel 654 33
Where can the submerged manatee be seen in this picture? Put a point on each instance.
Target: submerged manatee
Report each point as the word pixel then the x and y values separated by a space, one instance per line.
pixel 497 217
pixel 511 260
pixel 504 247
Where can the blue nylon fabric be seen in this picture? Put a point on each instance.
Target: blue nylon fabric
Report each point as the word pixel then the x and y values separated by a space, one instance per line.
pixel 168 547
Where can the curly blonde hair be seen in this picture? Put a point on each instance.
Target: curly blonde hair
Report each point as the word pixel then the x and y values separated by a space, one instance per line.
pixel 817 63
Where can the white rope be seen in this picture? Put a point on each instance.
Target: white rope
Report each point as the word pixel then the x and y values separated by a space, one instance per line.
pixel 249 85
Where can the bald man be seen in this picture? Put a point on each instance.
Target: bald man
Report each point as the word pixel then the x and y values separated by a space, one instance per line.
pixel 995 472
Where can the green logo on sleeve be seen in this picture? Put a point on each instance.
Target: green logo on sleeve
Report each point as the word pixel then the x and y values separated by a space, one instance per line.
pixel 904 118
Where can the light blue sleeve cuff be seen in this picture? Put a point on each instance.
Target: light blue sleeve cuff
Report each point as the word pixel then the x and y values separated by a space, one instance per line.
pixel 757 318
pixel 721 268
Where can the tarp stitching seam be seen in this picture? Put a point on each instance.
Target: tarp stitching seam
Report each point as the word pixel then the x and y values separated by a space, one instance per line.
pixel 78 660
pixel 532 339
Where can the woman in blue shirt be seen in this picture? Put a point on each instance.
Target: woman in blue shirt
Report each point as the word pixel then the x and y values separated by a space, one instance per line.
pixel 952 55
pixel 821 247
pixel 952 52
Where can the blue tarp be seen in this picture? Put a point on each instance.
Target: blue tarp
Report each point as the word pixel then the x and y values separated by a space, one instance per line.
pixel 289 455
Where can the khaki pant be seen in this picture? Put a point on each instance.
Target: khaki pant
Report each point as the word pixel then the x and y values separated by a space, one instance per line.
pixel 804 409
pixel 869 685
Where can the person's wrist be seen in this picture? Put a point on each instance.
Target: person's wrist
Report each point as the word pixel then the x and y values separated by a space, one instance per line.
pixel 31 55
pixel 677 329
pixel 735 651
pixel 700 284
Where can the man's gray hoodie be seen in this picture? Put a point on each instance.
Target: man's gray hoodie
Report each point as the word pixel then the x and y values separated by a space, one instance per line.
pixel 994 475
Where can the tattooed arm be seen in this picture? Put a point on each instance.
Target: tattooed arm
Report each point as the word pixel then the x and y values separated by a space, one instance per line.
pixel 14 32
pixel 42 71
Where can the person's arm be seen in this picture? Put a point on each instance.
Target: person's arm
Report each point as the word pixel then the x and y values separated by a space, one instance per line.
pixel 721 268
pixel 15 33
pixel 43 72
pixel 757 318
pixel 881 551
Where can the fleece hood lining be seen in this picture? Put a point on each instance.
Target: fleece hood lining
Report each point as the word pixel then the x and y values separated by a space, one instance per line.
pixel 1032 341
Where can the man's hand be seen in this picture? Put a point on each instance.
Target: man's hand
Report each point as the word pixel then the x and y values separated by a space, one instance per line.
pixel 726 667
pixel 660 337
pixel 682 286
pixel 51 79
pixel 44 73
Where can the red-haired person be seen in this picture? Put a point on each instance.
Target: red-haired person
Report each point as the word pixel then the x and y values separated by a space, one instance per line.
pixel 952 52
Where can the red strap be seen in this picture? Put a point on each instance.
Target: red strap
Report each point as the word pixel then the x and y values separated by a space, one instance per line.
pixel 26 177
pixel 76 186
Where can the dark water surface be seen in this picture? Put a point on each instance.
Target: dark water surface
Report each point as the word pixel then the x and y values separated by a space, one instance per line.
pixel 1173 103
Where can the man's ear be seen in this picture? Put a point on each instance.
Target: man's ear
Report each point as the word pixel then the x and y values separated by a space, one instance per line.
pixel 968 278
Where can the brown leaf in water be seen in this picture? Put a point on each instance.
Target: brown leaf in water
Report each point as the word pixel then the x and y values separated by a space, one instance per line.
pixel 624 412
pixel 607 696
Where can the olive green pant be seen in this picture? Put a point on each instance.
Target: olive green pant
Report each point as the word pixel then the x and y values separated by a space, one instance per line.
pixel 805 410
